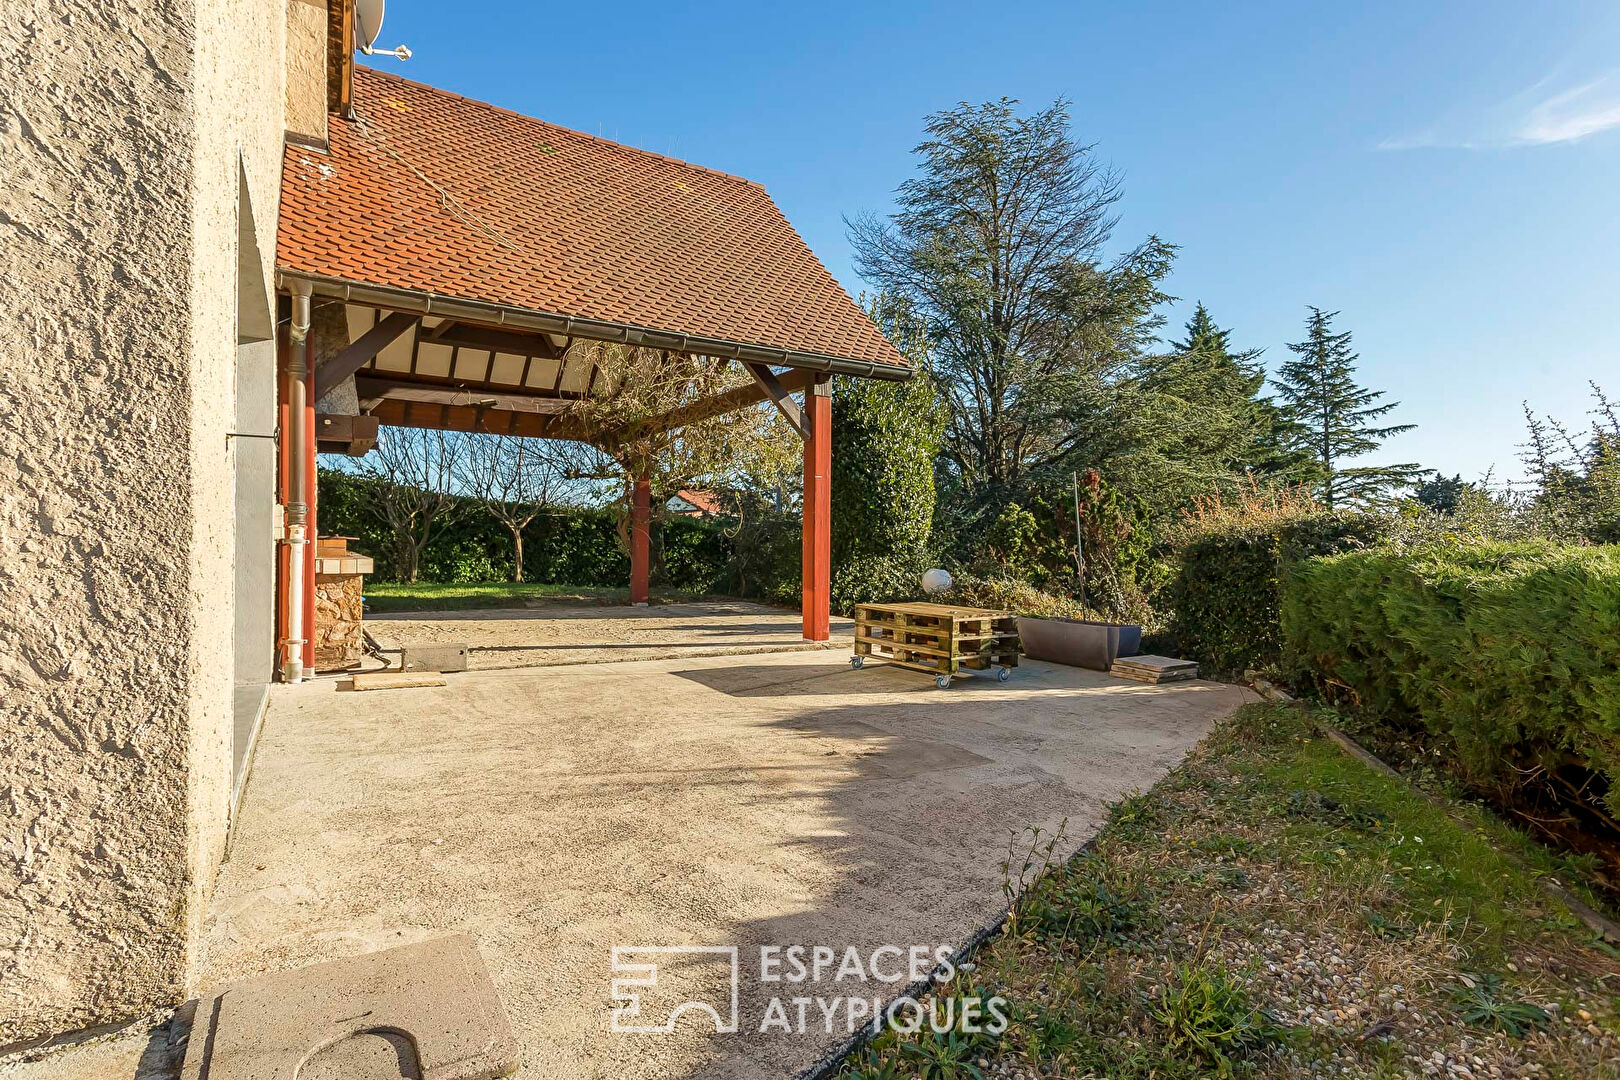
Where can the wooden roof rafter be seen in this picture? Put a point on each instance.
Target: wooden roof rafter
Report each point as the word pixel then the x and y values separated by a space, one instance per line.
pixel 467 335
pixel 411 397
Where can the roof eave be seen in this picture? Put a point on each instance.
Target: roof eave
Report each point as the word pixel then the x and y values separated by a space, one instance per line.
pixel 481 311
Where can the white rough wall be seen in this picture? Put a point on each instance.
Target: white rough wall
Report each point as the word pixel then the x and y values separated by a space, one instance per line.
pixel 119 130
pixel 240 131
pixel 306 69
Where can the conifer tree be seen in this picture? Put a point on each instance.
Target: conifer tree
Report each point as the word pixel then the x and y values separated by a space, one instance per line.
pixel 1205 338
pixel 1228 421
pixel 1335 416
pixel 1000 246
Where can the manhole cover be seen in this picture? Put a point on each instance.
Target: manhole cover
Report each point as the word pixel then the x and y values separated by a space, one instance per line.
pixel 419 1012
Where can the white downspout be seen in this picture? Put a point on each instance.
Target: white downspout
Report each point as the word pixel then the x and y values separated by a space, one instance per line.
pixel 297 532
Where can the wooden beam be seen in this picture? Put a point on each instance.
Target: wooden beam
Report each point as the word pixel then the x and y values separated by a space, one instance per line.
pixel 449 382
pixel 816 553
pixel 477 420
pixel 469 336
pixel 340 57
pixel 778 395
pixel 640 531
pixel 358 353
pixel 371 388
pixel 738 398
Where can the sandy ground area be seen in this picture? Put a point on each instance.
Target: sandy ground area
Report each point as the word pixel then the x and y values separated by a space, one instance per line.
pixel 548 633
pixel 555 813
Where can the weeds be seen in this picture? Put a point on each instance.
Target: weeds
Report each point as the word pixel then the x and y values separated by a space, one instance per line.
pixel 1319 807
pixel 1479 1001
pixel 1074 905
pixel 1394 930
pixel 1206 1011
pixel 1028 859
pixel 951 1053
pixel 1132 816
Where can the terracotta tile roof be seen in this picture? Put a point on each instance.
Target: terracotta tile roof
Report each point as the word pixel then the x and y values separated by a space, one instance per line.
pixel 432 192
pixel 702 502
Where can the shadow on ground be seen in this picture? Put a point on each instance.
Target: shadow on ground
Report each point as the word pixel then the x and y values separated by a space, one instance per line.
pixel 749 801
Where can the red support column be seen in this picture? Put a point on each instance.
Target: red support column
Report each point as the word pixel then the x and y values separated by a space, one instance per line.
pixel 817 508
pixel 640 538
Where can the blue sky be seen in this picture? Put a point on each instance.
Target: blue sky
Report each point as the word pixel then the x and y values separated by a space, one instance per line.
pixel 1445 174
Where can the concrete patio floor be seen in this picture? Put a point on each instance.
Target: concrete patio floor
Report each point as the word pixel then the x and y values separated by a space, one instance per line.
pixel 748 800
pixel 546 632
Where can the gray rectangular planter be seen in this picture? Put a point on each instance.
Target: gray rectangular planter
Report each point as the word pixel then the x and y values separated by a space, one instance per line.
pixel 1078 642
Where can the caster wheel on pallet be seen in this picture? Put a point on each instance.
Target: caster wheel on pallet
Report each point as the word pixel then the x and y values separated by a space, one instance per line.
pixel 1004 674
pixel 942 681
pixel 856 662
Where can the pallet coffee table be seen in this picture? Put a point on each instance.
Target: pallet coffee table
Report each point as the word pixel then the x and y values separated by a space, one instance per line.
pixel 944 640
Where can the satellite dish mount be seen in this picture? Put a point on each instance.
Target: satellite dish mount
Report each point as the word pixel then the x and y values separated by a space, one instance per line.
pixel 368 18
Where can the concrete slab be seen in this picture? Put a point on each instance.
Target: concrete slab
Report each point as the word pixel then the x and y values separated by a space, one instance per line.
pixel 548 633
pixel 737 802
pixel 395 680
pixel 130 1055
pixel 418 1012
pixel 434 658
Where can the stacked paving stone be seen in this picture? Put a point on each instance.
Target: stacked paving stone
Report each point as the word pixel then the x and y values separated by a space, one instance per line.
pixel 1154 669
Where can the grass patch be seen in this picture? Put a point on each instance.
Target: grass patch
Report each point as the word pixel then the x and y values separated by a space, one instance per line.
pixel 394 596
pixel 1204 1011
pixel 1275 908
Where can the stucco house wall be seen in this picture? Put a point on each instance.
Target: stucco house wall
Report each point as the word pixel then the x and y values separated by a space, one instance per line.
pixel 131 138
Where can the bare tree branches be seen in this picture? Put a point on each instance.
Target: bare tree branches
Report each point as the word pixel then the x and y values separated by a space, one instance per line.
pixel 514 479
pixel 636 392
pixel 417 475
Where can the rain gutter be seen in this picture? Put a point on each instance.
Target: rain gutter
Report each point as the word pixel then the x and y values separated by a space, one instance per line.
pixel 489 314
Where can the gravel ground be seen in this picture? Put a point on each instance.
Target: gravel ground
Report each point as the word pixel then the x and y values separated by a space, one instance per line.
pixel 1359 928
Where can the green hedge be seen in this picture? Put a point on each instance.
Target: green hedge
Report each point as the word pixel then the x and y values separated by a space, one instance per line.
pixel 563 546
pixel 1510 652
pixel 1226 586
pixel 885 438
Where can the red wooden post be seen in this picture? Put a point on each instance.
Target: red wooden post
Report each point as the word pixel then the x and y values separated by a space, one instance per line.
pixel 640 529
pixel 817 508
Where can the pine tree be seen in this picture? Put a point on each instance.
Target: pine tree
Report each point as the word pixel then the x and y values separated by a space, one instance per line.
pixel 1205 338
pixel 1242 430
pixel 1000 245
pixel 1334 416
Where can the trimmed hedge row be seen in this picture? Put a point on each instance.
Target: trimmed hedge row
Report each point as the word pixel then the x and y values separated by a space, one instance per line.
pixel 1510 652
pixel 563 546
pixel 1227 587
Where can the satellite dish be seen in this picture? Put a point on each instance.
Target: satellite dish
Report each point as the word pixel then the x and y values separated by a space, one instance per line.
pixel 368 17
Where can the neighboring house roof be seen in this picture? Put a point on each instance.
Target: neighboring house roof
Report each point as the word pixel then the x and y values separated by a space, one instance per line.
pixel 702 502
pixel 433 193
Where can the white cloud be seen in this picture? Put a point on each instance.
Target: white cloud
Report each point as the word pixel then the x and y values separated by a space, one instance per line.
pixel 1537 116
pixel 1574 114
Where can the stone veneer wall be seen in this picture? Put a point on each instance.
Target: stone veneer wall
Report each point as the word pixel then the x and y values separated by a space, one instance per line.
pixel 124 131
pixel 339 606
